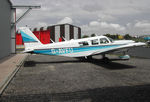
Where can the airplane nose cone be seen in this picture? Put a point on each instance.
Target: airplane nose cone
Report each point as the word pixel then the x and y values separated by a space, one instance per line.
pixel 132 41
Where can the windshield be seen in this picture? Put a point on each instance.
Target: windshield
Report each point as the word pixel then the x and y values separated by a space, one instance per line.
pixel 103 41
pixel 111 40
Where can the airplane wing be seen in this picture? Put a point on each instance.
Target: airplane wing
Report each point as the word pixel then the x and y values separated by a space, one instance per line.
pixel 120 48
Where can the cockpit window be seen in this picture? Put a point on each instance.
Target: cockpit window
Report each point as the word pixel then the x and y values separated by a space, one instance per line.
pixel 84 43
pixel 103 41
pixel 94 42
pixel 111 40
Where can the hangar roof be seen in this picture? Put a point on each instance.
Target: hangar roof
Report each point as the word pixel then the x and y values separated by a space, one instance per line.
pixel 10 2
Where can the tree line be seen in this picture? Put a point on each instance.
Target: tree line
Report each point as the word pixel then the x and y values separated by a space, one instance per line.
pixel 118 37
pixel 113 36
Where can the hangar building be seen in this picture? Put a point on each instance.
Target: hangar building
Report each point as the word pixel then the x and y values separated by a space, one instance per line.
pixel 56 33
pixel 5 28
pixel 8 26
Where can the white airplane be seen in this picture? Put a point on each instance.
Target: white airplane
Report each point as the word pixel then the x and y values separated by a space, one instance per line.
pixel 86 47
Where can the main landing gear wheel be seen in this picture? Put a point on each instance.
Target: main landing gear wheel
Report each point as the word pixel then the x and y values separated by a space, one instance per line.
pixel 105 60
pixel 86 58
pixel 89 58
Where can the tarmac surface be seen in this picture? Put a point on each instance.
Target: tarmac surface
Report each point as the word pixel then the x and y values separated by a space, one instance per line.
pixel 61 79
pixel 143 52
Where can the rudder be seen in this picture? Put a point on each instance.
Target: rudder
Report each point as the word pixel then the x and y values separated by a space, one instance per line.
pixel 29 39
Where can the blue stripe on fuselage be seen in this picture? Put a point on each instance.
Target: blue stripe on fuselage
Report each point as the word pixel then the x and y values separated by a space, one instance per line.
pixel 61 51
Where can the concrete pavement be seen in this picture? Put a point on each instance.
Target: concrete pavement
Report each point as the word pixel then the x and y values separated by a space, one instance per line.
pixel 8 67
pixel 62 79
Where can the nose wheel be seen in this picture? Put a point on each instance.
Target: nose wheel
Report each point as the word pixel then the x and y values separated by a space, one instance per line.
pixel 124 56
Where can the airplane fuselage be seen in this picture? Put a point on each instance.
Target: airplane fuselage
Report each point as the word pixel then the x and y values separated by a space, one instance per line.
pixel 83 47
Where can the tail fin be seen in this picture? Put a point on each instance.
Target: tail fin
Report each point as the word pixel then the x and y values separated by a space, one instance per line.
pixel 29 39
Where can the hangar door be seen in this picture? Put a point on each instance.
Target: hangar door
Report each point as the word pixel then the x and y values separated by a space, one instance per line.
pixel 19 39
pixel 45 36
pixel 37 34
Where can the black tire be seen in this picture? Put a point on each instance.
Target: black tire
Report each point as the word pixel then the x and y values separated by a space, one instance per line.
pixel 89 58
pixel 83 59
pixel 105 60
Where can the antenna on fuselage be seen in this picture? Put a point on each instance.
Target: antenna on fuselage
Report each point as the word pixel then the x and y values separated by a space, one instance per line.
pixel 52 41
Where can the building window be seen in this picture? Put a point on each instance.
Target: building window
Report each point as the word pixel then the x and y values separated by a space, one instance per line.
pixel 94 42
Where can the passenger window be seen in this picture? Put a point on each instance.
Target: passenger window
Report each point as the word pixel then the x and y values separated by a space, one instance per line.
pixel 84 43
pixel 103 41
pixel 94 42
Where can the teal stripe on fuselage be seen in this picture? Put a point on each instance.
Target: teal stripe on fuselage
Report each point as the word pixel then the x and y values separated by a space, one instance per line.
pixel 61 51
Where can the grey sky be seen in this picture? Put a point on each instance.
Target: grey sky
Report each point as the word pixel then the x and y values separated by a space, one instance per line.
pixel 93 16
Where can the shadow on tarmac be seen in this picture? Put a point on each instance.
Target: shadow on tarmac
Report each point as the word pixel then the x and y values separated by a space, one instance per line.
pixel 111 65
pixel 138 93
pixel 98 62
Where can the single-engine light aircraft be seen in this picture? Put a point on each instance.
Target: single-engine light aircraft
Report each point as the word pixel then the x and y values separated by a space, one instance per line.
pixel 81 48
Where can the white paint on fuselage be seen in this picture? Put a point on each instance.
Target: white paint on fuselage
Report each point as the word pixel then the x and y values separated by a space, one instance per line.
pixel 75 43
pixel 74 48
pixel 63 46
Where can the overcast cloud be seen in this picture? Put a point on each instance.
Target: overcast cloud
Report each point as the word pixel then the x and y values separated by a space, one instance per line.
pixel 93 16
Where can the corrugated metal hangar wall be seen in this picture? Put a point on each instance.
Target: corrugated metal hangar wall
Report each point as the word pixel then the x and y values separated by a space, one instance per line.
pixel 5 28
pixel 56 33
